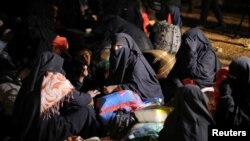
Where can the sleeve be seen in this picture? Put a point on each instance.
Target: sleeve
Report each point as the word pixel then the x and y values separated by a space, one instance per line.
pixel 80 98
pixel 202 68
pixel 127 86
pixel 77 84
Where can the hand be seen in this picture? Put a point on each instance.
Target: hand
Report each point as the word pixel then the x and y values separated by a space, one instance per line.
pixel 110 89
pixel 191 44
pixel 85 71
pixel 224 88
pixel 93 93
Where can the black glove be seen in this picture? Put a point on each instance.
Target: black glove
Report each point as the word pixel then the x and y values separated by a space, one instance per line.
pixel 225 88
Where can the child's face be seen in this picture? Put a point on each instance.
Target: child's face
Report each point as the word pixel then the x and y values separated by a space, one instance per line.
pixel 85 56
pixel 57 50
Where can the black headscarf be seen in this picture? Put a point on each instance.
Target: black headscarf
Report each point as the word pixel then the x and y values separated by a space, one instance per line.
pixel 190 119
pixel 239 69
pixel 115 24
pixel 26 125
pixel 129 68
pixel 196 59
pixel 47 61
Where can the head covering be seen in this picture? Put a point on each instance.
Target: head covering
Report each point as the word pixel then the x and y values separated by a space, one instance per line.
pixel 60 42
pixel 196 40
pixel 54 87
pixel 190 118
pixel 239 81
pixel 47 61
pixel 129 67
pixel 120 58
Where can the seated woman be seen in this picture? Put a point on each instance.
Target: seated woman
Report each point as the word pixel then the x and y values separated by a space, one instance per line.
pixel 190 118
pixel 129 69
pixel 234 104
pixel 49 108
pixel 196 62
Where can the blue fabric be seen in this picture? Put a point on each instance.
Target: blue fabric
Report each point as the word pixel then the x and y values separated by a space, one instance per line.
pixel 113 100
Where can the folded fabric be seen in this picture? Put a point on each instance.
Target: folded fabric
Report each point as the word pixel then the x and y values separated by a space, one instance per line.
pixel 155 113
pixel 126 99
pixel 144 131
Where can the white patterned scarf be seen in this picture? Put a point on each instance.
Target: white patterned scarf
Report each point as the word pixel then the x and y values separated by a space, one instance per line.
pixel 55 90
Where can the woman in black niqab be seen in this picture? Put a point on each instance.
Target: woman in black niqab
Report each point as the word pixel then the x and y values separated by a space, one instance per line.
pixel 234 103
pixel 196 59
pixel 190 118
pixel 130 70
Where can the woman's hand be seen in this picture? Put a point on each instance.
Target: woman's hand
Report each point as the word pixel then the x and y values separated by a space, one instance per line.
pixel 110 89
pixel 224 88
pixel 84 73
pixel 93 93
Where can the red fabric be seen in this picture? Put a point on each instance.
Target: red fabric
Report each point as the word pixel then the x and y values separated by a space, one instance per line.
pixel 122 99
pixel 188 81
pixel 122 105
pixel 145 22
pixel 220 76
pixel 132 104
pixel 60 42
pixel 169 19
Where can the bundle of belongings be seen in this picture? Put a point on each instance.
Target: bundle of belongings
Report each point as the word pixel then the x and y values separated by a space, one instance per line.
pixel 127 117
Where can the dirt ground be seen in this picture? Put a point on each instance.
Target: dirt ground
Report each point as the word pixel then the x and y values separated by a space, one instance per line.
pixel 234 42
